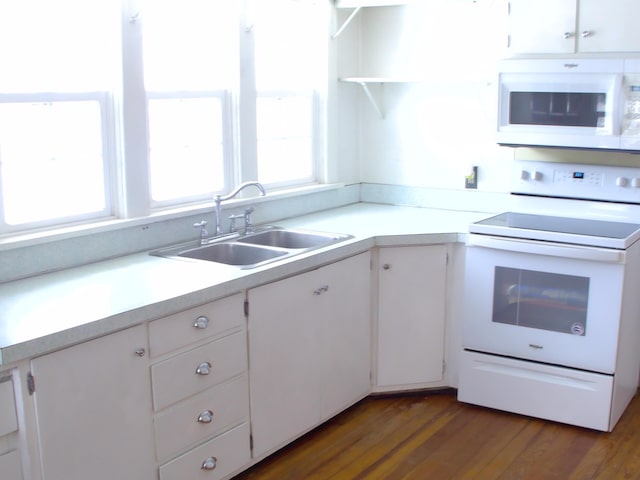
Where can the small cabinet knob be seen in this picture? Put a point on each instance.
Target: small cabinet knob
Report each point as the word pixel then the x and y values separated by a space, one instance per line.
pixel 205 417
pixel 204 368
pixel 586 33
pixel 209 463
pixel 140 352
pixel 201 322
pixel 386 266
pixel 567 35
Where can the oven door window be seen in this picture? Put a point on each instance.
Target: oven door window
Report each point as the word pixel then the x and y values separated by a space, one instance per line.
pixel 547 301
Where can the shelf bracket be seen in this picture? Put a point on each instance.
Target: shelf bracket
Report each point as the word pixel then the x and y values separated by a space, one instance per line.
pixel 346 22
pixel 377 103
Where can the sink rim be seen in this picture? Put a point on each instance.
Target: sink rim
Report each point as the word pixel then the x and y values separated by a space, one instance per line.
pixel 176 252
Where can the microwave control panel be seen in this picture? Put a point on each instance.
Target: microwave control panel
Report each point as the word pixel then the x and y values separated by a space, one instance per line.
pixel 631 119
pixel 569 180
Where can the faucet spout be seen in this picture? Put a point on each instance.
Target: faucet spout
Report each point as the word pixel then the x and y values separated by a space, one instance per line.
pixel 218 199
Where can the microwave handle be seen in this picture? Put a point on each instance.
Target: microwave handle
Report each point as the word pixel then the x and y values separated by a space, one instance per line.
pixel 535 247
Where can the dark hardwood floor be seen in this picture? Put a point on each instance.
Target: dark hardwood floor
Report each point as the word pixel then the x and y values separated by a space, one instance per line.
pixel 432 436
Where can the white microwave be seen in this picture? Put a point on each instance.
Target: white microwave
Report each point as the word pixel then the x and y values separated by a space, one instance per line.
pixel 581 103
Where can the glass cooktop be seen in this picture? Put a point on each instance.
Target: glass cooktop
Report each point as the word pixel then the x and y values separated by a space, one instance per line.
pixel 571 230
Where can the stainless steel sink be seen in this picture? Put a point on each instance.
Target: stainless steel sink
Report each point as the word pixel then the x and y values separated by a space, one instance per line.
pixel 294 239
pixel 233 253
pixel 250 251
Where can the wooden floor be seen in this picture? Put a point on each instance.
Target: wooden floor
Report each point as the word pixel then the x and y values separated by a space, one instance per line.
pixel 432 436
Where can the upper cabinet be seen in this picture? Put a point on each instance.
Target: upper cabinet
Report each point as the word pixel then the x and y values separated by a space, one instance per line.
pixel 573 26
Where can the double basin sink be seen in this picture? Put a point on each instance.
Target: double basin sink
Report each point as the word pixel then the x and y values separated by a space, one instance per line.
pixel 260 247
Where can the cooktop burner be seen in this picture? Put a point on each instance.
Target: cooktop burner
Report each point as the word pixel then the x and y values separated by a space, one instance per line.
pixel 578 231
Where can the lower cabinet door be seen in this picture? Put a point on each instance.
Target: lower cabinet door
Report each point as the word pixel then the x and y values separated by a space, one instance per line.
pixel 93 404
pixel 214 460
pixel 10 468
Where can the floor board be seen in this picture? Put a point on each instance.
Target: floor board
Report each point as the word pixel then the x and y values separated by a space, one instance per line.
pixel 433 436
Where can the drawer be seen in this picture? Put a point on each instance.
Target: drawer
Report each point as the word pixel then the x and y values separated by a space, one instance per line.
pixel 10 468
pixel 176 331
pixel 8 417
pixel 177 377
pixel 185 424
pixel 230 450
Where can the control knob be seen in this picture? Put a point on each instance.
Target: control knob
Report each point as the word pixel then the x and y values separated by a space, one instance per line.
pixel 622 181
pixel 537 176
pixel 635 182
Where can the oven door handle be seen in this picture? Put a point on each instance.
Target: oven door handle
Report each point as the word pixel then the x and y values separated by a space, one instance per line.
pixel 534 247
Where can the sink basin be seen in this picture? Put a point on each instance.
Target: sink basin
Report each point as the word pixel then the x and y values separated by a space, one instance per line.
pixel 230 253
pixel 253 250
pixel 295 239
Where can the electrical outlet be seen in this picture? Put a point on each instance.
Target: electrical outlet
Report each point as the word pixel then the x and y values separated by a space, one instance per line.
pixel 471 180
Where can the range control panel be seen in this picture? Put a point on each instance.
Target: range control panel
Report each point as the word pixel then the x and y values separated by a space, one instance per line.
pixel 572 180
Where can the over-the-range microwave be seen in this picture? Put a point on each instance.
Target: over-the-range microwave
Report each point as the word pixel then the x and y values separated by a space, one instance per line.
pixel 583 103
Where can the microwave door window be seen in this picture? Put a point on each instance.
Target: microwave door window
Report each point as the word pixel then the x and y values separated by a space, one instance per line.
pixel 547 301
pixel 557 109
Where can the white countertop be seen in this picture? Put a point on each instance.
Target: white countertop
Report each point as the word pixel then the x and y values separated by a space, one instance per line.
pixel 52 311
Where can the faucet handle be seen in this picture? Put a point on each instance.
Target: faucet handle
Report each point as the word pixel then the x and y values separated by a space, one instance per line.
pixel 248 226
pixel 232 225
pixel 204 235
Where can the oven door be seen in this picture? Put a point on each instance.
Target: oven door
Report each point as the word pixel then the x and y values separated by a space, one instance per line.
pixel 546 302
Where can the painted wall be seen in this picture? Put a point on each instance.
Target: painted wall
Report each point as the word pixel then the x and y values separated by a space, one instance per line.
pixel 441 122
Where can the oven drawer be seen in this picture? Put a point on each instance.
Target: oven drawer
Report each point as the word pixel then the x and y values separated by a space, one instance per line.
pixel 544 391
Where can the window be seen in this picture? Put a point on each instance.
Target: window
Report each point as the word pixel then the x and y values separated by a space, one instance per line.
pixel 113 110
pixel 54 110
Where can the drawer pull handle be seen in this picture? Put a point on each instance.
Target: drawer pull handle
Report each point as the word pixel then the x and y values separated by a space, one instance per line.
pixel 209 463
pixel 140 352
pixel 204 368
pixel 201 322
pixel 319 291
pixel 205 417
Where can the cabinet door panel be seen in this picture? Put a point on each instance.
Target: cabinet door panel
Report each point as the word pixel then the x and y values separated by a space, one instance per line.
pixel 283 380
pixel 612 26
pixel 93 404
pixel 411 314
pixel 10 468
pixel 344 328
pixel 538 26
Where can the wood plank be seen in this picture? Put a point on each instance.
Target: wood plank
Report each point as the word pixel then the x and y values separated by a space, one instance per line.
pixel 432 435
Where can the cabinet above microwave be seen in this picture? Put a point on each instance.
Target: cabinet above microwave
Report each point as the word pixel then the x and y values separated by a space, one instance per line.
pixel 580 103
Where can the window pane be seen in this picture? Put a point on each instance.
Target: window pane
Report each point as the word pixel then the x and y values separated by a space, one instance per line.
pixel 58 45
pixel 288 77
pixel 186 149
pixel 190 44
pixel 285 146
pixel 187 73
pixel 52 163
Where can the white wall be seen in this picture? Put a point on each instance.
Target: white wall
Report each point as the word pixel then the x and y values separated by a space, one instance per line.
pixel 436 128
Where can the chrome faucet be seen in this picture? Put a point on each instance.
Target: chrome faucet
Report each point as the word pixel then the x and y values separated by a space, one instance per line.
pixel 218 199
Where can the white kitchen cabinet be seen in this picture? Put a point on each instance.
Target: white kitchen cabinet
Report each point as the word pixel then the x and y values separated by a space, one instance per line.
pixel 93 404
pixel 573 26
pixel 309 349
pixel 410 332
pixel 201 391
pixel 10 460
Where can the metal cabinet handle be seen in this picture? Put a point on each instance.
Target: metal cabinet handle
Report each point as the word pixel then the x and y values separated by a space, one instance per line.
pixel 140 352
pixel 586 33
pixel 204 368
pixel 567 35
pixel 209 463
pixel 205 417
pixel 386 266
pixel 201 322
pixel 321 290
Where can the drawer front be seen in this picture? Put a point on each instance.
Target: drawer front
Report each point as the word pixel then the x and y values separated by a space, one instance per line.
pixel 176 331
pixel 230 450
pixel 177 377
pixel 8 418
pixel 10 468
pixel 201 416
